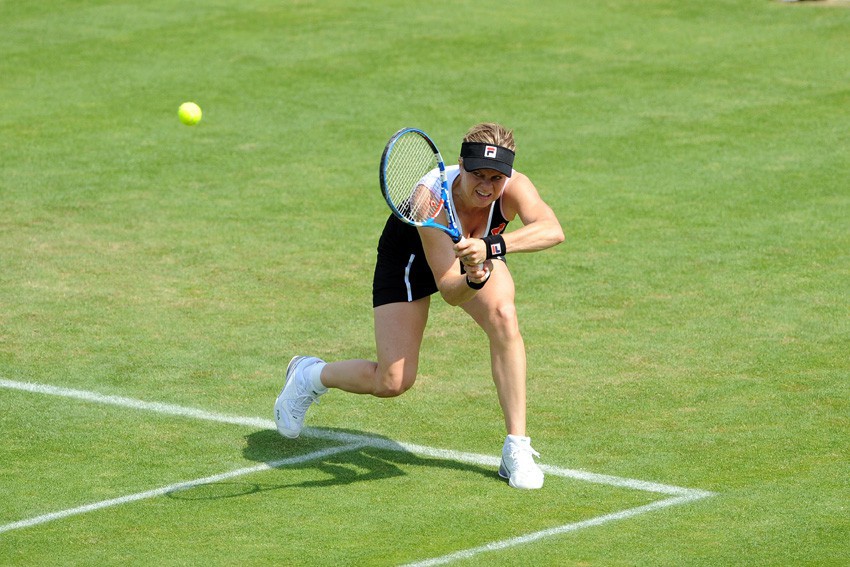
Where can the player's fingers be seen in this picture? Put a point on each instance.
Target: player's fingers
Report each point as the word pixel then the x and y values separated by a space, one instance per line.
pixel 477 273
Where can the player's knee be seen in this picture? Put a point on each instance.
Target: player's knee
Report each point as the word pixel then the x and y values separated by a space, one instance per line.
pixel 503 321
pixel 391 390
pixel 393 384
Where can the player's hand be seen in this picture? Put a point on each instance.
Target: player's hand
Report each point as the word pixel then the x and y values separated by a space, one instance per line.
pixel 471 251
pixel 479 273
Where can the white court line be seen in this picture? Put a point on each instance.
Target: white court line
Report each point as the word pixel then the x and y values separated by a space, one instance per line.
pixel 351 442
pixel 44 518
pixel 339 437
pixel 566 528
pixel 121 401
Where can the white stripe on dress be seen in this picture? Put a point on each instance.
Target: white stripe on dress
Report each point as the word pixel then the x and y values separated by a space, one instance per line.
pixel 407 278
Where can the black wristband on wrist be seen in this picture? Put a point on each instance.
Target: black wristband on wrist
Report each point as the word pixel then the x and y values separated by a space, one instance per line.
pixel 495 245
pixel 476 285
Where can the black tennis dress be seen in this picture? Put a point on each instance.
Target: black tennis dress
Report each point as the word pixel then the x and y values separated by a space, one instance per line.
pixel 402 273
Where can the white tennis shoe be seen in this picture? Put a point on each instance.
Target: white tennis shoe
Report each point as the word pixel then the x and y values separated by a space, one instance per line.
pixel 296 397
pixel 518 465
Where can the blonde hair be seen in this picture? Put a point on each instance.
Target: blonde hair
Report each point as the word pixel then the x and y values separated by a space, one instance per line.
pixel 491 133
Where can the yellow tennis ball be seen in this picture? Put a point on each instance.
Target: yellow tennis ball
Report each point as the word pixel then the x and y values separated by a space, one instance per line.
pixel 189 113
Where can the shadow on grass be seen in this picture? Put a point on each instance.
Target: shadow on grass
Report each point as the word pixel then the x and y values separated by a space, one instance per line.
pixel 363 464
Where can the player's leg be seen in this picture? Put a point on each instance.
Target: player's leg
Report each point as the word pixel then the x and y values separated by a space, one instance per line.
pixel 399 328
pixel 494 310
pixel 401 272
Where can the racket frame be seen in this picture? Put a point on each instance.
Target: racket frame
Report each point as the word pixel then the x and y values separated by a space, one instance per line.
pixel 453 230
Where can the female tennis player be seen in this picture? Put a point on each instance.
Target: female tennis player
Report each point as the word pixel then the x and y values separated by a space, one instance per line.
pixel 414 263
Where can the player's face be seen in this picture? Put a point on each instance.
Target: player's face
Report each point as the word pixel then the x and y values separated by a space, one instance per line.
pixel 482 186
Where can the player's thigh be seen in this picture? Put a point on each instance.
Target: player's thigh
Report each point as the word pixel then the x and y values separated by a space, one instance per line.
pixel 399 328
pixel 493 307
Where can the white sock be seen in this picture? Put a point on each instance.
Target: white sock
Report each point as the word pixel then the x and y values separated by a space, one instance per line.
pixel 314 373
pixel 518 439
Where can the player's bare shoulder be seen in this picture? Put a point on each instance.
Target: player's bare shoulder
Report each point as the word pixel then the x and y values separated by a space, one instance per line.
pixel 519 192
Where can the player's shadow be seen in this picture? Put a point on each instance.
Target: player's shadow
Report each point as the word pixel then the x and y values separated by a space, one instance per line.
pixel 381 459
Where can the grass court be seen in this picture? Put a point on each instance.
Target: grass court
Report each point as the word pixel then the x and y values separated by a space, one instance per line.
pixel 687 344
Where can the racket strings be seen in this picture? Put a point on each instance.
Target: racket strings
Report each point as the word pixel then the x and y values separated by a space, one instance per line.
pixel 413 179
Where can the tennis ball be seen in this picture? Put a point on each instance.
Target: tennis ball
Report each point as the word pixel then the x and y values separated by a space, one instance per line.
pixel 189 113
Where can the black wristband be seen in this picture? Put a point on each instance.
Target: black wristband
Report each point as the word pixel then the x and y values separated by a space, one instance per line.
pixel 477 285
pixel 495 245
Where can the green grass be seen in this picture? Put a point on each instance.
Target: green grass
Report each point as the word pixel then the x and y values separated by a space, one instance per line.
pixel 693 330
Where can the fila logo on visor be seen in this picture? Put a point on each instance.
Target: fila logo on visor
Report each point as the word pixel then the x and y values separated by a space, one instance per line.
pixel 490 152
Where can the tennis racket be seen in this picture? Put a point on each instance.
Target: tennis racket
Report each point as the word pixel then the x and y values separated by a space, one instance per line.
pixel 413 181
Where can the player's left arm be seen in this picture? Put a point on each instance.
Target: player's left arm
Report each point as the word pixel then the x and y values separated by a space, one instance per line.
pixel 541 228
